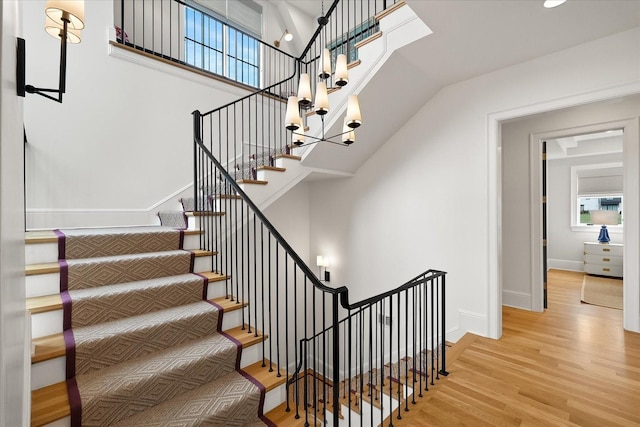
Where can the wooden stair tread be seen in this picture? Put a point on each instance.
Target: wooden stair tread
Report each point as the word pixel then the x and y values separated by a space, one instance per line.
pixel 368 40
pixel 49 404
pixel 271 168
pixel 252 182
pixel 287 156
pixel 244 337
pixel 42 268
pixel 52 346
pixel 54 267
pixel 227 304
pixel 44 236
pixel 389 10
pixel 47 348
pixel 269 380
pixel 46 303
pixel 226 196
pixel 203 213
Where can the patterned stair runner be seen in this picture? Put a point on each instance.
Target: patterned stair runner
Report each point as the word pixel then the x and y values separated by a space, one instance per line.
pixel 143 344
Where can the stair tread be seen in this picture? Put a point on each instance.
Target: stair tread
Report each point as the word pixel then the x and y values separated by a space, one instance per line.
pixel 271 168
pixel 269 380
pixel 43 304
pixel 203 213
pixel 54 267
pixel 287 156
pixel 52 346
pixel 44 236
pixel 252 181
pixel 51 403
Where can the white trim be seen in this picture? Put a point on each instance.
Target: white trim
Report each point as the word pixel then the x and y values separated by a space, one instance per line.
pixel 632 312
pixel 563 264
pixel 515 299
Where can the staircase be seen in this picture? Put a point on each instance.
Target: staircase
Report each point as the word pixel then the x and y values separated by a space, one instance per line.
pixel 127 325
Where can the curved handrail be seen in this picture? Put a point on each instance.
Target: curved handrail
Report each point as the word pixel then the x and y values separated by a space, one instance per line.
pixel 232 182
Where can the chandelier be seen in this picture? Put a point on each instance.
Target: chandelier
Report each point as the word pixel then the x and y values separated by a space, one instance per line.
pixel 320 105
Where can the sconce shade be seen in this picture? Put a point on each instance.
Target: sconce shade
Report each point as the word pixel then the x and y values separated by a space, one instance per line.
pixel 73 9
pixel 319 261
pixel 292 117
pixel 304 90
pixel 55 30
pixel 354 118
pixel 348 134
pixel 324 69
pixel 342 74
pixel 322 99
pixel 288 36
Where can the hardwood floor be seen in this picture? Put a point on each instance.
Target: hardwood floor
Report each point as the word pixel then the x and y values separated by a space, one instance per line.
pixel 572 365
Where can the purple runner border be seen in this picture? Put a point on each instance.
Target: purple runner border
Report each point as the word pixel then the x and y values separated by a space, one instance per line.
pixel 70 347
pixel 64 275
pixel 75 402
pixel 66 310
pixel 62 245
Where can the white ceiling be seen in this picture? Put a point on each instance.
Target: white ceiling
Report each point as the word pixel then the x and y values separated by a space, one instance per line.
pixel 474 37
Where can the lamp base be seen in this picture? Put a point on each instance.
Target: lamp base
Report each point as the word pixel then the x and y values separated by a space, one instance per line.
pixel 603 237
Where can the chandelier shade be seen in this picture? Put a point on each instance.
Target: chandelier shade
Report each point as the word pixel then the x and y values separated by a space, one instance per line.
pixel 341 77
pixel 321 105
pixel 324 68
pixel 304 90
pixel 354 118
pixel 292 117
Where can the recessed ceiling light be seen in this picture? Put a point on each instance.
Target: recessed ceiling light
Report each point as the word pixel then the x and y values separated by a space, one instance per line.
pixel 553 3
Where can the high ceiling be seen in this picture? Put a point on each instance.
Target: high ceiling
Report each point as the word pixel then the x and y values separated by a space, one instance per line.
pixel 471 38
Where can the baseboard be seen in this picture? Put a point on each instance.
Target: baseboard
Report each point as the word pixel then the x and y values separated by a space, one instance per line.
pixel 562 264
pixel 516 299
pixel 475 323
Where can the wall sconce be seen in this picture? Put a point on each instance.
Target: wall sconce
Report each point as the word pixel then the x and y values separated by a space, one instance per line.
pixel 287 36
pixel 64 19
pixel 323 262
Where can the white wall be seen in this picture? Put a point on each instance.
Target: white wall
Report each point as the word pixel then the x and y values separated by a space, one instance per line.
pixel 423 200
pixel 14 359
pixel 564 245
pixel 121 141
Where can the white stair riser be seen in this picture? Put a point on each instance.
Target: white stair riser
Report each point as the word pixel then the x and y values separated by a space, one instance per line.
pixel 37 253
pixel 48 372
pixel 42 284
pixel 275 397
pixel 63 422
pixel 216 290
pixel 43 324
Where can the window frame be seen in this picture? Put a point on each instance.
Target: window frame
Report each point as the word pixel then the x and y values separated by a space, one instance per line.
pixel 575 197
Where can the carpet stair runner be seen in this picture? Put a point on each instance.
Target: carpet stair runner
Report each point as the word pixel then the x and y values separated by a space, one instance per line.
pixel 143 344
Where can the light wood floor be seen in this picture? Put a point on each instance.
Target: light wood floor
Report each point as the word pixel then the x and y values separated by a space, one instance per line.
pixel 571 365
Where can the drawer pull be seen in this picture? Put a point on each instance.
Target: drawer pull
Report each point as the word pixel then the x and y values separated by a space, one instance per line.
pixel 606 250
pixel 606 269
pixel 606 259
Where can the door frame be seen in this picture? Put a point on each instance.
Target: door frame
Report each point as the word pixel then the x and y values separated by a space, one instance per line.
pixel 536 180
pixel 494 207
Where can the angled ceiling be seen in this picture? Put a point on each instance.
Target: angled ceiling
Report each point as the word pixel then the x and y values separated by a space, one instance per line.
pixel 471 38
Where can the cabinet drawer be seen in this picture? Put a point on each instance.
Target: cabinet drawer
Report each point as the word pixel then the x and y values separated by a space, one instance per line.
pixel 604 270
pixel 596 248
pixel 603 259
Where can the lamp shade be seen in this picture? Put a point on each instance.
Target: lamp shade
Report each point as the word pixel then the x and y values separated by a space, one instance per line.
pixel 292 118
pixel 604 217
pixel 342 74
pixel 298 136
pixel 324 68
pixel 73 10
pixel 55 30
pixel 354 118
pixel 322 99
pixel 304 90
pixel 348 134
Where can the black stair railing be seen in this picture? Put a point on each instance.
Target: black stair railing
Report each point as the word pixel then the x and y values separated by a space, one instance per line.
pixel 303 337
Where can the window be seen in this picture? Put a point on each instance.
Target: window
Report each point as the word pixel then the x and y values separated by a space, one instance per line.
pixel 596 187
pixel 215 46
